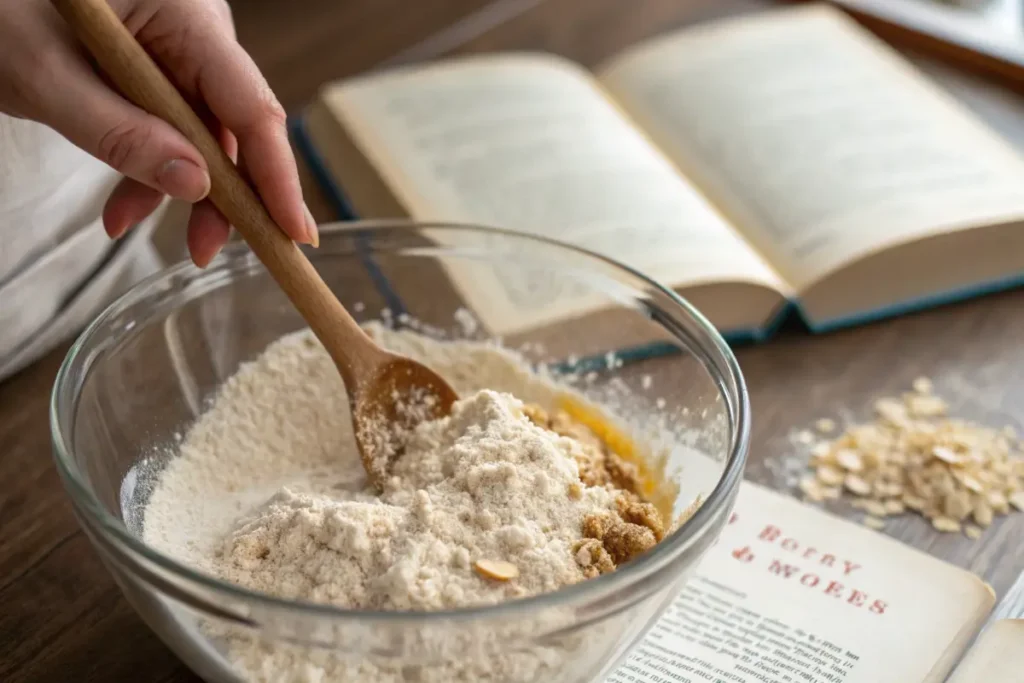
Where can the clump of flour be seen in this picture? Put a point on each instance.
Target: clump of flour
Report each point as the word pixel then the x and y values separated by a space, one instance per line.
pixel 483 484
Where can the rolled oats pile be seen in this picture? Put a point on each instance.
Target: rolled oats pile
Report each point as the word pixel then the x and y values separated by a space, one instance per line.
pixel 914 458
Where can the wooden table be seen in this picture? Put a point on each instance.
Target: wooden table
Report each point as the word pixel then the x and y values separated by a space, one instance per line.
pixel 61 616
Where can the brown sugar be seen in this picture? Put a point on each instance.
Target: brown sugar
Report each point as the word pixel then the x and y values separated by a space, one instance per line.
pixel 621 539
pixel 635 511
pixel 611 539
pixel 592 558
pixel 598 464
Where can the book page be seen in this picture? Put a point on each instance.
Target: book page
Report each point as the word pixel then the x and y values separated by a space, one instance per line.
pixel 820 143
pixel 531 144
pixel 1011 605
pixel 996 657
pixel 790 593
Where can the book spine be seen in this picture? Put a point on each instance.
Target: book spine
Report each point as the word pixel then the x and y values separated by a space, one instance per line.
pixel 911 305
pixel 345 212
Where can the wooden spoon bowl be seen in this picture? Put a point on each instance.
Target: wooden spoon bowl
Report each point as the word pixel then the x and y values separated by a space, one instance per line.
pixel 402 394
pixel 387 392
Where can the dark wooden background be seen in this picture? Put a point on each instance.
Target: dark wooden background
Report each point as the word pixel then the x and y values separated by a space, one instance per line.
pixel 61 616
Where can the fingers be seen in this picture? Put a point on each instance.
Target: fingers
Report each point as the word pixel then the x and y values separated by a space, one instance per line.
pixel 191 40
pixel 128 205
pixel 72 99
pixel 208 232
pixel 223 10
pixel 128 139
pixel 245 105
pixel 208 229
pixel 228 142
pixel 194 41
pixel 131 202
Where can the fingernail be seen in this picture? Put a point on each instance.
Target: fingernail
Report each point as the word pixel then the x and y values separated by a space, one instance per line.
pixel 182 179
pixel 114 231
pixel 202 263
pixel 313 235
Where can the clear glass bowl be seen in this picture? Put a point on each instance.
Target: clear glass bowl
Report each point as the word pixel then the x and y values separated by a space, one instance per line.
pixel 144 369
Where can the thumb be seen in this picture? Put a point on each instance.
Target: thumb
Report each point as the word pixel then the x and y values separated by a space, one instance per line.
pixel 133 142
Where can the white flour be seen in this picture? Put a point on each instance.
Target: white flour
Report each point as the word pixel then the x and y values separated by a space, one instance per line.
pixel 268 492
pixel 482 484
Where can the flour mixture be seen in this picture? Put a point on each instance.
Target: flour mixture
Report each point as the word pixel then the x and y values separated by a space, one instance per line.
pixel 502 499
pixel 497 501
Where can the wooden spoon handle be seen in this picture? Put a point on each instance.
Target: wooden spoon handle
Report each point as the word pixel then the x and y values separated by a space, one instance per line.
pixel 138 77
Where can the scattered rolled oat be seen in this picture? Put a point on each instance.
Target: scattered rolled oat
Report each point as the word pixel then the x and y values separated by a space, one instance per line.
pixel 946 524
pixel 830 476
pixel 849 460
pixel 922 385
pixel 874 522
pixel 957 474
pixel 855 484
pixel 825 425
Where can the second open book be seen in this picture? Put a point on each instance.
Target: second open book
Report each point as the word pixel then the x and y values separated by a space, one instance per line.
pixel 793 594
pixel 785 160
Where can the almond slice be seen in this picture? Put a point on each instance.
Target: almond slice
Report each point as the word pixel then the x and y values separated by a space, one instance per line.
pixel 499 570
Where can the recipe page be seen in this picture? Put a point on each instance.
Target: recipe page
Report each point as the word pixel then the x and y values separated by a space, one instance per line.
pixel 793 594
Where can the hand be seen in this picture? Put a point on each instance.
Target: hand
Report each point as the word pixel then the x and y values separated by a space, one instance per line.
pixel 44 76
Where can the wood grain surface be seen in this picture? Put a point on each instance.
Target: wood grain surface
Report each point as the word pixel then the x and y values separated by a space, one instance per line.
pixel 63 618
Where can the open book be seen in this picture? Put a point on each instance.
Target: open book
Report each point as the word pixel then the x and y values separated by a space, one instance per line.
pixel 790 593
pixel 781 161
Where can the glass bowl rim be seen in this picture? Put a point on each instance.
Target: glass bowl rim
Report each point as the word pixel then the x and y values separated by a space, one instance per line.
pixel 651 562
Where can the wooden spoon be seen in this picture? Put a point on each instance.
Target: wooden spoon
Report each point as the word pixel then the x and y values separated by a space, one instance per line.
pixel 387 393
